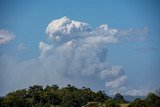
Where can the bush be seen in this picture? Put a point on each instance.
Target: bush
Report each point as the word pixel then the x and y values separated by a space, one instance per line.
pixel 92 104
pixel 111 103
pixel 152 100
pixel 70 103
pixel 138 103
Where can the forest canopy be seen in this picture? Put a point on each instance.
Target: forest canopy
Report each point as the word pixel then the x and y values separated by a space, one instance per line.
pixel 70 96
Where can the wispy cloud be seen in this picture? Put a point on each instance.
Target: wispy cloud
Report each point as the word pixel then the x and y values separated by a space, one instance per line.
pixel 117 83
pixel 133 31
pixel 21 46
pixel 133 34
pixel 137 92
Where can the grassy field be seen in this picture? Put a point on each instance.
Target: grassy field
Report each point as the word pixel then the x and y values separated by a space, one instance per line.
pixel 124 105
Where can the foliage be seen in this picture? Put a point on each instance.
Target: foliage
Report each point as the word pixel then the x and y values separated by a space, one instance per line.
pixel 70 96
pixel 111 103
pixel 118 98
pixel 157 92
pixel 37 96
pixel 92 104
pixel 152 100
pixel 138 103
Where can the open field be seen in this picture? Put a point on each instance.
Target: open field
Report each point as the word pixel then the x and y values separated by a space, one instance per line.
pixel 124 105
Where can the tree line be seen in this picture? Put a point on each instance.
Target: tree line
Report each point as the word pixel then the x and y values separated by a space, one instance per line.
pixel 70 96
pixel 152 100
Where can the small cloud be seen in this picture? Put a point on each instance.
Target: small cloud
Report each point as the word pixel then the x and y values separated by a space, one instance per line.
pixel 132 31
pixel 21 47
pixel 117 83
pixel 6 36
pixel 137 92
pixel 114 71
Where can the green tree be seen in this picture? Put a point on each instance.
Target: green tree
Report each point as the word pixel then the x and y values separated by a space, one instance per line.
pixel 70 102
pixel 111 103
pixel 36 94
pixel 53 99
pixel 153 100
pixel 50 88
pixel 119 99
pixel 100 96
pixel 118 96
pixel 138 103
pixel 17 99
pixel 158 92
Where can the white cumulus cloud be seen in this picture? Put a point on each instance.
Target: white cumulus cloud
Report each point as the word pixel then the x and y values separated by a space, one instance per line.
pixel 60 28
pixel 80 52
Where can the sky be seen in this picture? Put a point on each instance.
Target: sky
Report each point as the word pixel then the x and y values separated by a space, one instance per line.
pixel 110 45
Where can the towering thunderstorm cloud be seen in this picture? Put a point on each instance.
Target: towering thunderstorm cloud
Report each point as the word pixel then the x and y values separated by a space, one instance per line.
pixel 76 54
pixel 79 52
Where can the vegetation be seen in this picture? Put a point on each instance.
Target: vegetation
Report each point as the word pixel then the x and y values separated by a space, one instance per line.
pixel 158 92
pixel 71 96
pixel 37 96
pixel 152 100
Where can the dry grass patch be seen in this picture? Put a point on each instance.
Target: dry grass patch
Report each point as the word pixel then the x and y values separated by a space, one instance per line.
pixel 124 105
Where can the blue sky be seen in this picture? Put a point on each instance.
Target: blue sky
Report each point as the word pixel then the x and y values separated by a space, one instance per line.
pixel 140 59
